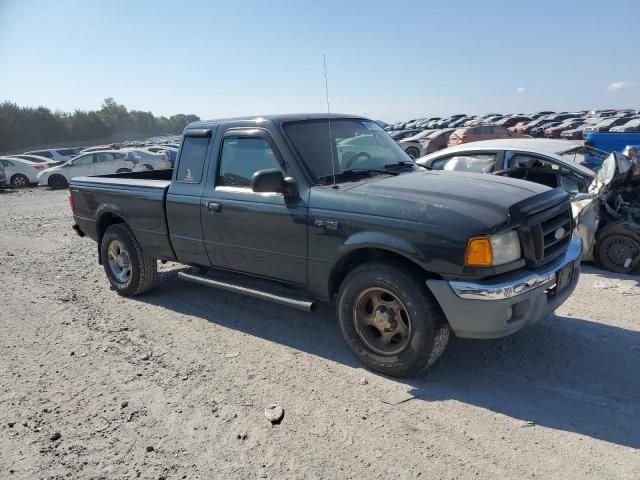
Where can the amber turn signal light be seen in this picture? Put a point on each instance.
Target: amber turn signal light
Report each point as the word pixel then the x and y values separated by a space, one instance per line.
pixel 479 253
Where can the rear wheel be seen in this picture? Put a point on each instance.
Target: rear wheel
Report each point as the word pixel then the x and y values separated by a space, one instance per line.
pixel 389 319
pixel 19 180
pixel 618 250
pixel 57 181
pixel 124 170
pixel 413 152
pixel 147 166
pixel 128 269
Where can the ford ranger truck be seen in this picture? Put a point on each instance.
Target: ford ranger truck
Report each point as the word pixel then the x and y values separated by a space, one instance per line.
pixel 308 208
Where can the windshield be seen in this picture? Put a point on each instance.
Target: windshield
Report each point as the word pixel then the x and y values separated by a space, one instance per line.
pixel 354 144
pixel 587 156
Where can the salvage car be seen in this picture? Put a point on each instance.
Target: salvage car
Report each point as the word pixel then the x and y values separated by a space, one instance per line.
pixel 632 126
pixel 412 145
pixel 308 208
pixel 479 133
pixel 20 172
pixel 94 163
pixel 590 193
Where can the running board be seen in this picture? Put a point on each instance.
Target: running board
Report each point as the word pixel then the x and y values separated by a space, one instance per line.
pixel 305 305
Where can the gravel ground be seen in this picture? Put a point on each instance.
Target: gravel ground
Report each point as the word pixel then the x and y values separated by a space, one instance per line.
pixel 174 384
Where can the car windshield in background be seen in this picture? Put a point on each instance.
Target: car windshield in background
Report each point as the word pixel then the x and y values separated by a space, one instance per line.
pixel 587 156
pixel 355 145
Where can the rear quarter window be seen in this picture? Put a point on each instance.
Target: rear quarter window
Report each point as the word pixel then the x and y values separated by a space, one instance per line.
pixel 191 161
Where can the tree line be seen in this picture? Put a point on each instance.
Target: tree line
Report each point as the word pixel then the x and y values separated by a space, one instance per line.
pixel 27 126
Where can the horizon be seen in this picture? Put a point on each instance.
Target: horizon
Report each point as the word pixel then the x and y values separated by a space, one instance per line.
pixel 156 58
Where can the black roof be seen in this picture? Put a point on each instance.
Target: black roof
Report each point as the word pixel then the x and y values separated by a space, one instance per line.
pixel 279 118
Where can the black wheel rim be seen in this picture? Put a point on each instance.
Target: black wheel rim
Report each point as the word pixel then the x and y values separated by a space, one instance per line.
pixel 620 251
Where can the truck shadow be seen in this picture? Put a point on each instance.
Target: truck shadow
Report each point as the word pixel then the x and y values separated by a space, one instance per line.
pixel 566 373
pixel 607 275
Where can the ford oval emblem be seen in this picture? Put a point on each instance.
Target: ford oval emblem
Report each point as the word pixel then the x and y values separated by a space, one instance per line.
pixel 559 233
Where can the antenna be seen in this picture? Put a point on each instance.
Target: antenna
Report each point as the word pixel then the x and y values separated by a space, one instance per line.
pixel 326 89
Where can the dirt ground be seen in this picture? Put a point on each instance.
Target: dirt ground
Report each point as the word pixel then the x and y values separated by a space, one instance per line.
pixel 174 384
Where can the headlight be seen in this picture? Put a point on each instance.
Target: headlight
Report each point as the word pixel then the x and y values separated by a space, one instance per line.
pixel 493 250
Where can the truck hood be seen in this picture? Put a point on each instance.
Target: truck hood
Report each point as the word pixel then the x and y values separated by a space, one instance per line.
pixel 464 201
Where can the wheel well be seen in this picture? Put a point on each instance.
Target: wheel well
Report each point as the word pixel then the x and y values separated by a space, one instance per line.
pixel 106 220
pixel 364 255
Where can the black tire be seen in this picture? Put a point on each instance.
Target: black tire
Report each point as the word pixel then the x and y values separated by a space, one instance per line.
pixel 143 270
pixel 618 249
pixel 413 152
pixel 428 332
pixel 124 170
pixel 20 181
pixel 147 166
pixel 57 181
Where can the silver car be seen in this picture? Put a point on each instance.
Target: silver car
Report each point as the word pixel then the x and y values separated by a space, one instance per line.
pixel 555 163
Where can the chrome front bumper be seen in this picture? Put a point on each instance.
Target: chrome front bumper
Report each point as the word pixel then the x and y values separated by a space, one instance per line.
pixel 503 305
pixel 521 283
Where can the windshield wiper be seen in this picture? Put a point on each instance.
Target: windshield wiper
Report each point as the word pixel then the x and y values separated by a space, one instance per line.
pixel 405 163
pixel 350 172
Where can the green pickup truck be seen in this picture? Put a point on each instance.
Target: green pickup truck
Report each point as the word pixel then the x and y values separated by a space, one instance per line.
pixel 308 208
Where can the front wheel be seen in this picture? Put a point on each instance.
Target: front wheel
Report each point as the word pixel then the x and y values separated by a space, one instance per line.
pixel 413 152
pixel 390 321
pixel 123 170
pixel 128 269
pixel 57 181
pixel 617 250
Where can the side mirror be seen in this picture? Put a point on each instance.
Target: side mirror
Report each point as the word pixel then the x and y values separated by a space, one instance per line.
pixel 271 181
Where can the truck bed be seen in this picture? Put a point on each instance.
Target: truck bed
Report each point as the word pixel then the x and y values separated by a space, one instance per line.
pixel 138 198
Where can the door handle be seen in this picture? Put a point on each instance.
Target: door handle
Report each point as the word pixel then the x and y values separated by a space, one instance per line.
pixel 214 207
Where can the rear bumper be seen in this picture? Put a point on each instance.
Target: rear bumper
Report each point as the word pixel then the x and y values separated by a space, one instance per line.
pixel 503 305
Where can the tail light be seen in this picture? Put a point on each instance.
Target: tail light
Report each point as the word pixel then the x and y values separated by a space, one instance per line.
pixel 39 167
pixel 588 143
pixel 71 204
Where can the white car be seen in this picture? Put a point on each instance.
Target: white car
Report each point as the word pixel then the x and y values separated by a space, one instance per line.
pixel 150 159
pixel 21 173
pixel 96 163
pixel 554 163
pixel 37 159
pixel 56 154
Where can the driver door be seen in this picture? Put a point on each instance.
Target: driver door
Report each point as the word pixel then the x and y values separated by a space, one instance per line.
pixel 257 233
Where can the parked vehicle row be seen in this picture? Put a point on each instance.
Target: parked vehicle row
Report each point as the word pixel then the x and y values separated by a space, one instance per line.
pixel 55 167
pixel 569 125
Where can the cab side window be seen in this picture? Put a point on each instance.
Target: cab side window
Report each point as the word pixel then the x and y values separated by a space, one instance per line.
pixel 191 162
pixel 241 158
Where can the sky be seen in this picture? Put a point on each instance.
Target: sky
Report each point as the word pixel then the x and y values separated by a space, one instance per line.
pixel 386 60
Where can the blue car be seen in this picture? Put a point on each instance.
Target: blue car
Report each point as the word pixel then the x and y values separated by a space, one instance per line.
pixel 611 142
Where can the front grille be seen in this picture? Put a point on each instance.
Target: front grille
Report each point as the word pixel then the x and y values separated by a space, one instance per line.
pixel 546 234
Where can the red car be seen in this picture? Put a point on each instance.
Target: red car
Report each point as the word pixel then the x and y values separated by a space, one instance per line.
pixel 481 132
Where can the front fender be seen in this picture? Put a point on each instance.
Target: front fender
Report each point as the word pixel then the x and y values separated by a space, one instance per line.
pixel 383 241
